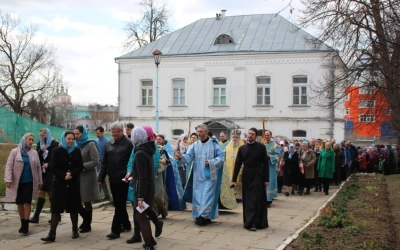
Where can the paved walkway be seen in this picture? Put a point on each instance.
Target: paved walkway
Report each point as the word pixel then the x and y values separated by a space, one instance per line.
pixel 287 215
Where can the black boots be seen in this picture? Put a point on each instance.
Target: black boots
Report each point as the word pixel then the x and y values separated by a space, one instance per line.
pixel 24 229
pixel 51 237
pixel 158 227
pixel 75 233
pixel 87 222
pixel 39 207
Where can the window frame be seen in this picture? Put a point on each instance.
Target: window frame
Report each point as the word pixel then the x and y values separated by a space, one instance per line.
pixel 300 87
pixel 147 89
pixel 366 118
pixel 179 88
pixel 263 86
pixel 367 105
pixel 366 90
pixel 347 111
pixel 175 136
pixel 217 86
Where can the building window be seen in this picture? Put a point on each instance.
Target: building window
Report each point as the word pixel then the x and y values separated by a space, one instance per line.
pixel 300 90
pixel 367 104
pixel 219 91
pixel 388 112
pixel 224 39
pixel 147 92
pixel 366 90
pixel 263 90
pixel 347 111
pixel 178 89
pixel 299 133
pixel 176 133
pixel 366 118
pixel 347 97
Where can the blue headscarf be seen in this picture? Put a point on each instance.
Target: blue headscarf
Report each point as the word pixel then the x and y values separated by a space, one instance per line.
pixel 22 145
pixel 65 145
pixel 290 153
pixel 84 139
pixel 49 138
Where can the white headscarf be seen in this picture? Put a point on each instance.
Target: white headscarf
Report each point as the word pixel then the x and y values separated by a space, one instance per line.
pixel 139 136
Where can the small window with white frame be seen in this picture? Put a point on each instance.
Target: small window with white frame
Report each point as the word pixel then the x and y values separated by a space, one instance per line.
pixel 219 91
pixel 367 104
pixel 178 92
pixel 147 92
pixel 300 90
pixel 366 90
pixel 347 111
pixel 388 112
pixel 347 97
pixel 366 118
pixel 263 90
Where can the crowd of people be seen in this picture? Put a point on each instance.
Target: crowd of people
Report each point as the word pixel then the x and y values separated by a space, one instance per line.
pixel 145 169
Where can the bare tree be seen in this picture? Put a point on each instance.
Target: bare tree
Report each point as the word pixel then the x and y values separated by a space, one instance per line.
pixel 26 68
pixel 150 27
pixel 365 37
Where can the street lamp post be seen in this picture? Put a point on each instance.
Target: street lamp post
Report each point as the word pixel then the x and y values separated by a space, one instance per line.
pixel 157 58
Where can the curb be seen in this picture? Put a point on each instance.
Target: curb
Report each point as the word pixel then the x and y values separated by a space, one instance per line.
pixel 297 233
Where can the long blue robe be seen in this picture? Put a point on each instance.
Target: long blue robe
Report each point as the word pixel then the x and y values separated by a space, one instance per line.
pixel 173 182
pixel 274 153
pixel 203 187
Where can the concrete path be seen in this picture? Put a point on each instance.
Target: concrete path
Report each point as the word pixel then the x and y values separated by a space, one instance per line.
pixel 287 215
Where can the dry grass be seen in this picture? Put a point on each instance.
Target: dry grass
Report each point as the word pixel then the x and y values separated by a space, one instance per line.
pixel 5 150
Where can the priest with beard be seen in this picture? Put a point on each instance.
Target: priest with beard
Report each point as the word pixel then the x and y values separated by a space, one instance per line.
pixel 255 178
pixel 231 152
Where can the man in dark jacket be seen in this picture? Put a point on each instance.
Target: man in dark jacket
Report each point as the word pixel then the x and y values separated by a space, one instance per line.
pixel 116 157
pixel 339 164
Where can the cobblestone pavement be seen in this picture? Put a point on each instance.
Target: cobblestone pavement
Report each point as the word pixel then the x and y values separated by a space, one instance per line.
pixel 287 215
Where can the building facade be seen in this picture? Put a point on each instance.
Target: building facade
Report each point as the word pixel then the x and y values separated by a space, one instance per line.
pixel 230 73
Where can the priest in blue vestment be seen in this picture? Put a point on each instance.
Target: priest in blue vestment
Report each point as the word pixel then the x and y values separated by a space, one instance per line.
pixel 203 187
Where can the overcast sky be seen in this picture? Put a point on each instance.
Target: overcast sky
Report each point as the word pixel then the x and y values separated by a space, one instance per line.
pixel 88 34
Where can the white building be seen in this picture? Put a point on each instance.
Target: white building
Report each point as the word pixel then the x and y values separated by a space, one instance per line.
pixel 229 72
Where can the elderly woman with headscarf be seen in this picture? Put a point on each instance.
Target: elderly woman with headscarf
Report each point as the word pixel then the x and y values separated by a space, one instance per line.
pixel 159 200
pixel 67 166
pixel 45 149
pixel 143 179
pixel 326 166
pixel 308 159
pixel 291 169
pixel 89 186
pixel 23 178
pixel 182 148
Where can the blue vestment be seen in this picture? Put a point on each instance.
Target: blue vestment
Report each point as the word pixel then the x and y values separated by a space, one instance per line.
pixel 274 153
pixel 203 187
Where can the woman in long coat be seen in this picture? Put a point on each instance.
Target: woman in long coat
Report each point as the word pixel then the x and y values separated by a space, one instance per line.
pixel 326 166
pixel 67 166
pixel 89 186
pixel 45 149
pixel 143 180
pixel 308 159
pixel 291 169
pixel 23 178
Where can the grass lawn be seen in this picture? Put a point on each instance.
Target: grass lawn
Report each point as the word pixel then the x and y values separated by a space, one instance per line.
pixel 359 217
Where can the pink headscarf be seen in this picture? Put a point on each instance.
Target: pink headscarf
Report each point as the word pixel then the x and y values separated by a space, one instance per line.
pixel 149 132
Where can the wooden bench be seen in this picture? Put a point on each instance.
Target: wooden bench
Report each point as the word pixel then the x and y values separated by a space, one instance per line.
pixel 4 200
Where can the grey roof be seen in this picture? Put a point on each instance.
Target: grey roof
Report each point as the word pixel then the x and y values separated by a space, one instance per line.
pixel 251 33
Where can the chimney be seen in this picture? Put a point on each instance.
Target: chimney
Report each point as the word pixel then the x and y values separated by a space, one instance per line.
pixel 223 14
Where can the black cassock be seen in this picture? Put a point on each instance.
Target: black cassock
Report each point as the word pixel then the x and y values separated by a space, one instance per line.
pixel 255 174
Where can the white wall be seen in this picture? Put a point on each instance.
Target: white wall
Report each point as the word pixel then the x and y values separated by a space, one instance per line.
pixel 241 72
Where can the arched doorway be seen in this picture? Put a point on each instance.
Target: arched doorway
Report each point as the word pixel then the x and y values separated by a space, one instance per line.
pixel 216 127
